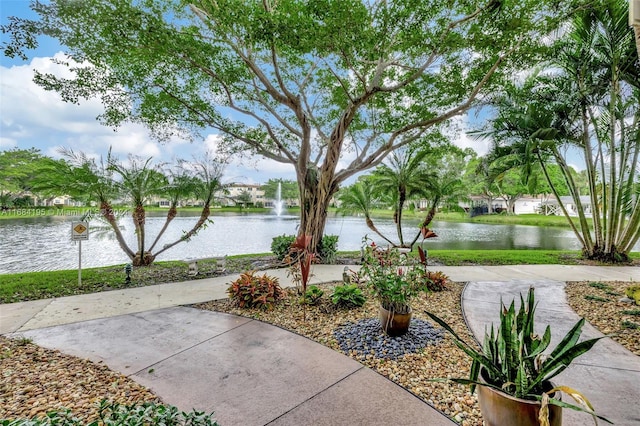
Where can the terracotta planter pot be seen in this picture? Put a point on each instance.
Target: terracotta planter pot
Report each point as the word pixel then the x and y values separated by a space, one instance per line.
pixel 499 409
pixel 394 324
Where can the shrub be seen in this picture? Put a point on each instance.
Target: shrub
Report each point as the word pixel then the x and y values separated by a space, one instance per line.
pixel 348 296
pixel 112 414
pixel 328 249
pixel 437 281
pixel 280 245
pixel 313 295
pixel 633 292
pixel 251 291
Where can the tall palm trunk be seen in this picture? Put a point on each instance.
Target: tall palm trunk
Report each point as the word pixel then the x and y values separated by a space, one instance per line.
pixel 375 229
pixel 402 198
pixel 204 217
pixel 142 257
pixel 107 213
pixel 171 214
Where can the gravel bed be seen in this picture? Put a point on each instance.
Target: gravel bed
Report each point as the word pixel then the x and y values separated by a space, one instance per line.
pixel 432 356
pixel 35 380
pixel 366 337
pixel 599 303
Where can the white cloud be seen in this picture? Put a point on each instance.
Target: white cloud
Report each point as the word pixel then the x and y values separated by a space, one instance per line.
pixel 32 116
pixel 7 143
pixel 457 130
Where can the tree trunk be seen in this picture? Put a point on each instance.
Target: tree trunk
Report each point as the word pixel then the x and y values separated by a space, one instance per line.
pixel 636 30
pixel 315 198
pixel 171 214
pixel 142 257
pixel 107 213
pixel 204 217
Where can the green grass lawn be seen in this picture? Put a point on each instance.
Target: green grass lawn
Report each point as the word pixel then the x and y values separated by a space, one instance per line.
pixel 41 285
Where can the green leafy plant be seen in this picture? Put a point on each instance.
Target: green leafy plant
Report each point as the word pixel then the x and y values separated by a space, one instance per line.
pixel 630 325
pixel 635 312
pixel 251 291
pixel 395 278
pixel 280 245
pixel 23 341
pixel 328 249
pixel 114 414
pixel 633 292
pixel 313 295
pixel 512 359
pixel 348 296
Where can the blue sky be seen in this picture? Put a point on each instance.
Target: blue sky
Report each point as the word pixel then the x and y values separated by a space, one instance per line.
pixel 33 117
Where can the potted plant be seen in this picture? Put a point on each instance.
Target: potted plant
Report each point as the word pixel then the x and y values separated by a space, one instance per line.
pixel 513 370
pixel 394 278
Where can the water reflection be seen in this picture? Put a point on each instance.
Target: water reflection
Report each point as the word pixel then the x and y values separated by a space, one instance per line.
pixel 43 243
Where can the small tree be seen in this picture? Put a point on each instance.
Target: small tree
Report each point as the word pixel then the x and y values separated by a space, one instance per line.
pixel 136 181
pixel 18 169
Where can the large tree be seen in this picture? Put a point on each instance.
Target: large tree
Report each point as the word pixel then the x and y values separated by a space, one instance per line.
pixel 298 82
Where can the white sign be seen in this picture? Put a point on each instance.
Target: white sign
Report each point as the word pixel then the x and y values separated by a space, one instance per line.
pixel 79 231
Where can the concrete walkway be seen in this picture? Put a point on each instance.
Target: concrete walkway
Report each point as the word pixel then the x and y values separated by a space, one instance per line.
pixel 252 373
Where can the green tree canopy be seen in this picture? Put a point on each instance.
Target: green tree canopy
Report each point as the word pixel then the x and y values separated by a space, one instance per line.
pixel 288 189
pixel 18 169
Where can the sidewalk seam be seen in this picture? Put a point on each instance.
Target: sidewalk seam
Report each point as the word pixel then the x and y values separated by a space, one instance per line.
pixel 315 395
pixel 187 349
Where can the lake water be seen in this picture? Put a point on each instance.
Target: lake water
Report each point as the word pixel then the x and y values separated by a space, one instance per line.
pixel 44 243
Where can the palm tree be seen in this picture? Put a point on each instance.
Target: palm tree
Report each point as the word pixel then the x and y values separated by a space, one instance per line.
pixel 84 178
pixel 139 181
pixel 403 177
pixel 360 198
pixel 589 102
pixel 441 188
pixel 205 180
pixel 181 185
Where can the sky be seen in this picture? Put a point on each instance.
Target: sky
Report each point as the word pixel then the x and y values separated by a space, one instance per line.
pixel 33 117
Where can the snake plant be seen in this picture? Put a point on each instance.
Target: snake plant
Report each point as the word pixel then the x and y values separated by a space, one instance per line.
pixel 515 359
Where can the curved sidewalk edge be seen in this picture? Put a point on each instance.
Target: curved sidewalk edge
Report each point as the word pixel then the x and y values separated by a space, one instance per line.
pixel 65 310
pixel 247 371
pixel 608 375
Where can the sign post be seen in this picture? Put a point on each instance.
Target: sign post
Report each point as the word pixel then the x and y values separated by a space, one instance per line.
pixel 79 232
